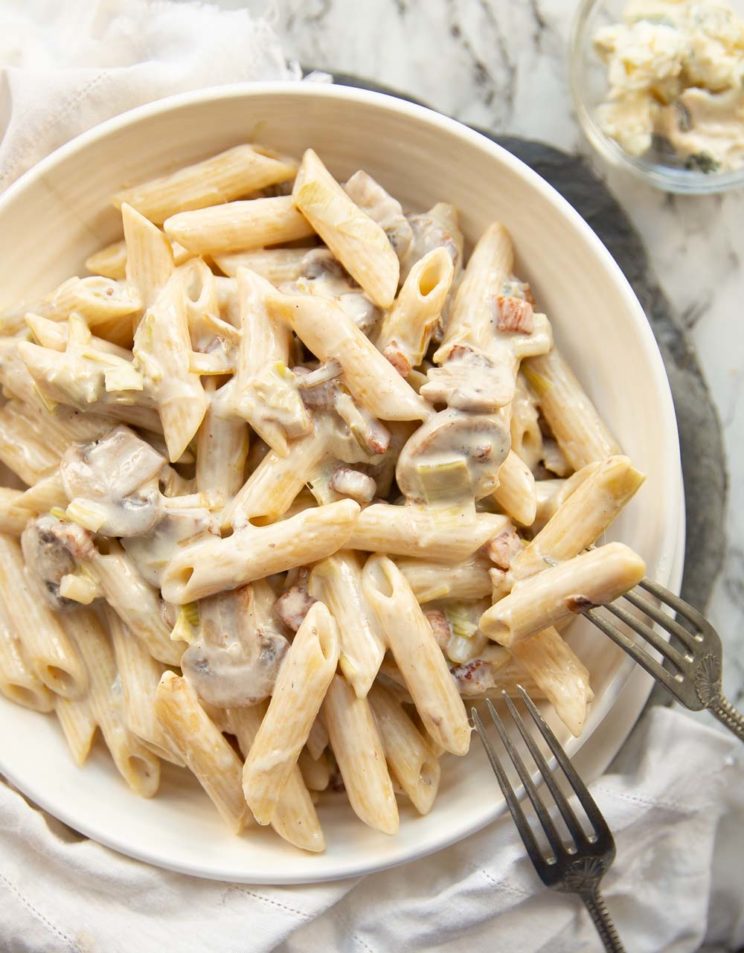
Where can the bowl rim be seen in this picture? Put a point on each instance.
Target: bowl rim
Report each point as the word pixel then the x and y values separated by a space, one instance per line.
pixel 667 179
pixel 672 547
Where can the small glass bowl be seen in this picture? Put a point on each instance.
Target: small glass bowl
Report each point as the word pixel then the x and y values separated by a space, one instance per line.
pixel 588 75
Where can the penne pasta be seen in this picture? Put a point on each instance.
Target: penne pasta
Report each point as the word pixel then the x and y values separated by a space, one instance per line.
pixel 78 725
pixel 277 265
pixel 337 582
pixel 238 226
pixel 17 681
pixel 301 685
pixel 203 748
pixel 359 754
pixel 558 593
pixel 355 239
pixel 417 655
pixel 573 418
pixel 258 551
pixel 515 494
pixel 431 580
pixel 295 818
pixel 149 260
pixel 221 178
pixel 411 760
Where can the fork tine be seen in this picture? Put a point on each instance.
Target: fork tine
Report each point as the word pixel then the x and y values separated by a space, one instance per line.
pixel 512 801
pixel 648 634
pixel 572 822
pixel 674 602
pixel 524 776
pixel 664 620
pixel 596 818
pixel 654 668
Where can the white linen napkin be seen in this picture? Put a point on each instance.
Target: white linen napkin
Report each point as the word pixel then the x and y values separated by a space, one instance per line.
pixel 676 808
pixel 676 801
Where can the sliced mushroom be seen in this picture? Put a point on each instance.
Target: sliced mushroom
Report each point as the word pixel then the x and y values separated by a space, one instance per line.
pixel 469 380
pixel 51 549
pixel 235 660
pixel 117 477
pixel 453 456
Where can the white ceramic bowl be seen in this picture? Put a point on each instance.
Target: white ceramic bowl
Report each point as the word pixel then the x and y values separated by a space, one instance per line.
pixel 59 213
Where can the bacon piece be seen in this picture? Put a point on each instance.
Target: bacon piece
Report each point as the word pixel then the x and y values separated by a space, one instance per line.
pixel 292 607
pixel 514 314
pixel 440 626
pixel 398 359
pixel 502 548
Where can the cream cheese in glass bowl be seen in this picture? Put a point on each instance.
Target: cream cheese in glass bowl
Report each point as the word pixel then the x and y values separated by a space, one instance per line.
pixel 658 87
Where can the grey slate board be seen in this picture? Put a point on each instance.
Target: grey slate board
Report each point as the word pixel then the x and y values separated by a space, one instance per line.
pixel 703 459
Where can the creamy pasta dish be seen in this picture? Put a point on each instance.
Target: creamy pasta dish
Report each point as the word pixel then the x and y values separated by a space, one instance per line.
pixel 295 482
pixel 676 82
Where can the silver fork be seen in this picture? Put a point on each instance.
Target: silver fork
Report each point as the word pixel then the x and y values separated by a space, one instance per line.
pixel 692 673
pixel 574 868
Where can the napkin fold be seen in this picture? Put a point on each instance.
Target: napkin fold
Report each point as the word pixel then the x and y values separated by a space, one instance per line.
pixel 675 799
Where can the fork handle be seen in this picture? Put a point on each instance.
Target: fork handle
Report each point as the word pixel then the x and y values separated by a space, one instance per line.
pixel 725 712
pixel 599 913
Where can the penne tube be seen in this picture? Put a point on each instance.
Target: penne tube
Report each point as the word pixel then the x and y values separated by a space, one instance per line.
pixel 97 300
pixel 582 517
pixel 220 178
pixel 304 677
pixel 295 818
pixel 162 349
pixel 78 726
pixel 558 674
pixel 464 580
pixel 255 552
pixel 109 262
pixel 426 532
pixel 410 759
pixel 573 418
pixel 409 324
pixel 265 391
pixel 277 265
pixel 316 773
pixel 417 655
pixel 17 682
pixel 337 581
pixel 221 451
pixel 22 452
pixel 331 334
pixel 135 602
pixel 203 748
pixel 56 335
pixel 359 243
pixel 358 750
pixel 149 260
pixel 557 594
pixel 471 315
pixel 277 480
pixel 139 674
pixel 49 653
pixel 548 495
pixel 55 430
pixel 137 765
pixel 238 226
pixel 515 494
pixel 13 515
pixel 317 740
pixel 526 436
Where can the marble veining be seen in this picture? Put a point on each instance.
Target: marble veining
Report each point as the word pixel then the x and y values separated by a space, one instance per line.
pixel 503 64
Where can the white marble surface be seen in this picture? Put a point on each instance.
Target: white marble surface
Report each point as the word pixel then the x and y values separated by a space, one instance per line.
pixel 502 64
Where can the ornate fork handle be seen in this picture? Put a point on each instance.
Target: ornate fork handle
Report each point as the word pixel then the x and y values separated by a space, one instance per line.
pixel 725 712
pixel 594 902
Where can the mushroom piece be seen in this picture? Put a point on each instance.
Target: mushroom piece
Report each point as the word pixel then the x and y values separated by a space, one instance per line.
pixel 469 380
pixel 453 456
pixel 116 478
pixel 152 553
pixel 372 198
pixel 51 549
pixel 235 660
